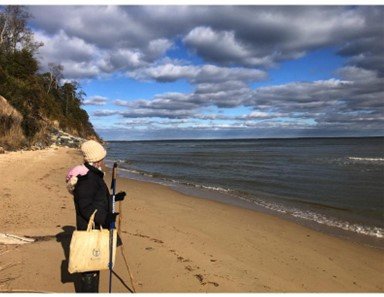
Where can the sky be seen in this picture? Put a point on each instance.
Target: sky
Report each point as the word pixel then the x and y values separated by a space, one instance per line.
pixel 222 71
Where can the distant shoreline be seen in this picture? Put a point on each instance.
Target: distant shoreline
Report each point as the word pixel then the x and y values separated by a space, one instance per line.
pixel 244 139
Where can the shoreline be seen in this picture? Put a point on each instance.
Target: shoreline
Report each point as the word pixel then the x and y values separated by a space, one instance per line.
pixel 237 200
pixel 174 242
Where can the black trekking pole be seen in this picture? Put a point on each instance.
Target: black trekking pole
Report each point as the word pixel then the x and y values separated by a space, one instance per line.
pixel 112 224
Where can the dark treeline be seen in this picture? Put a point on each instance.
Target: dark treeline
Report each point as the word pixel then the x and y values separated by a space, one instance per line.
pixel 43 101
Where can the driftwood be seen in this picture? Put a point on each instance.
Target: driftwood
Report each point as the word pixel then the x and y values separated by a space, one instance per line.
pixel 14 239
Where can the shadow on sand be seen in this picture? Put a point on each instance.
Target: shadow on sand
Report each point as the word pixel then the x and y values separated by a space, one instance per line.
pixel 65 239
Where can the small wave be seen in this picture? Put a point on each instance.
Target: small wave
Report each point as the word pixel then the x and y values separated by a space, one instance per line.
pixel 320 219
pixel 109 163
pixel 211 188
pixel 199 186
pixel 138 172
pixel 357 228
pixel 359 159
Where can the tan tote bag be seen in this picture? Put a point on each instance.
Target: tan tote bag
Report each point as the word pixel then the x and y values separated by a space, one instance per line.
pixel 89 250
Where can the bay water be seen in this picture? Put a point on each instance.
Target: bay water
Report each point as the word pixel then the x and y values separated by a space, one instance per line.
pixel 334 185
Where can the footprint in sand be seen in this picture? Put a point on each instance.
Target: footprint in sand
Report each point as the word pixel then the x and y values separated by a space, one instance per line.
pixel 179 258
pixel 199 277
pixel 189 268
pixel 213 283
pixel 201 280
pixel 145 236
pixel 157 240
pixel 266 287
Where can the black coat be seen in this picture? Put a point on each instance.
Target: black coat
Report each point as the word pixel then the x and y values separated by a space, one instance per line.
pixel 91 193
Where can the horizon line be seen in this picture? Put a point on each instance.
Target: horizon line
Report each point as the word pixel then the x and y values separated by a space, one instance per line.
pixel 245 138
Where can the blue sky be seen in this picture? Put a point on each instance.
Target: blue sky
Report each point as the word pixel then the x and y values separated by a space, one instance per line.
pixel 176 72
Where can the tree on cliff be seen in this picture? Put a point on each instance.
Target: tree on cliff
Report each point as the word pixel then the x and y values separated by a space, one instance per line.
pixel 39 97
pixel 14 33
pixel 54 75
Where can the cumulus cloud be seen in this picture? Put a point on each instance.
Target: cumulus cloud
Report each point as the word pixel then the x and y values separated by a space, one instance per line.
pixel 116 41
pixel 222 47
pixel 235 46
pixel 260 115
pixel 350 100
pixel 147 113
pixel 364 50
pixel 157 48
pixel 77 57
pixel 206 87
pixel 164 73
pixel 95 100
pixel 158 113
pixel 106 113
pixel 170 72
pixel 104 26
pixel 355 98
pixel 226 35
pixel 267 35
pixel 64 47
pixel 168 101
pixel 84 60
pixel 122 59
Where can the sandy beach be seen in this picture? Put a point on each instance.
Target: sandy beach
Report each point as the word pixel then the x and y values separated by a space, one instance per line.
pixel 173 242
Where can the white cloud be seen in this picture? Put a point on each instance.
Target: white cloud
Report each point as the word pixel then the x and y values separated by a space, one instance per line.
pixel 95 100
pixel 219 46
pixel 72 52
pixel 170 72
pixel 230 42
pixel 123 58
pixel 307 103
pixel 258 114
pixel 157 48
pixel 164 73
pixel 106 112
pixel 225 35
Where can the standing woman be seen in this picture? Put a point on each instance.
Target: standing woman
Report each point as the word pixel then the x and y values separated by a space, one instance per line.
pixel 90 194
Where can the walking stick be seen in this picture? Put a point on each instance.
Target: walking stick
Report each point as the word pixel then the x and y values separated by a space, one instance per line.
pixel 112 224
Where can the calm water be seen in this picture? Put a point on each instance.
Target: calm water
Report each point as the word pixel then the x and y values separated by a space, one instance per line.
pixel 337 182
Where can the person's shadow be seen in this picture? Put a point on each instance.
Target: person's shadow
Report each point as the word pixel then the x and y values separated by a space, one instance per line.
pixel 65 239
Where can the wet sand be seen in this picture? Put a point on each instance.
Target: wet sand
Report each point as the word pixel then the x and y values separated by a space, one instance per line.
pixel 173 242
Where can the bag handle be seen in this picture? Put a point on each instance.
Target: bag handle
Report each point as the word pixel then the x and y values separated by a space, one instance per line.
pixel 91 222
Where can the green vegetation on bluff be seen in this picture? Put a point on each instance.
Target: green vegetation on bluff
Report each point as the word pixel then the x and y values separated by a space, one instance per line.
pixel 42 100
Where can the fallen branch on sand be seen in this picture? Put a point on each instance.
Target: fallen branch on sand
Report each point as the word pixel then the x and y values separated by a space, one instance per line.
pixel 23 291
pixel 14 239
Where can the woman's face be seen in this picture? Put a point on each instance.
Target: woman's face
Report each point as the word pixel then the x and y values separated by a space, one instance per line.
pixel 99 163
